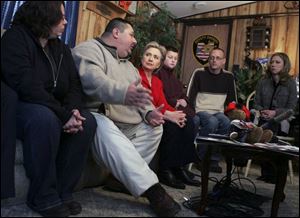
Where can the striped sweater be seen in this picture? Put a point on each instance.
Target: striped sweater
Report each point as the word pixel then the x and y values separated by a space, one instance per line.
pixel 212 92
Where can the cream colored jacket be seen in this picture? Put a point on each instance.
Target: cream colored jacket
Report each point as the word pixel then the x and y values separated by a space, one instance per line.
pixel 105 79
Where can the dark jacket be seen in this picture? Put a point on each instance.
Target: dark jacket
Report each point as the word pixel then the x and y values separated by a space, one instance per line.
pixel 279 98
pixel 173 90
pixel 27 69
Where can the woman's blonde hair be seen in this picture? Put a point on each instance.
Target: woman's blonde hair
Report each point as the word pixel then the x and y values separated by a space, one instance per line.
pixel 161 48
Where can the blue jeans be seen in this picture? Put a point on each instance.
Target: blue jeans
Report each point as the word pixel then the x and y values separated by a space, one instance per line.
pixel 217 123
pixel 53 160
pixel 9 101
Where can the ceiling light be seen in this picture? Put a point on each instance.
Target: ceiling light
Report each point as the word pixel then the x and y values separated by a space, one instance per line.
pixel 199 5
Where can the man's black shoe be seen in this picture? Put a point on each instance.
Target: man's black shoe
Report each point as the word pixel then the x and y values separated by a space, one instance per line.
pixel 161 202
pixel 168 178
pixel 74 207
pixel 57 211
pixel 185 176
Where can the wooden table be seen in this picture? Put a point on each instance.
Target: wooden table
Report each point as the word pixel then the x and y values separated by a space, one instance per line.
pixel 230 149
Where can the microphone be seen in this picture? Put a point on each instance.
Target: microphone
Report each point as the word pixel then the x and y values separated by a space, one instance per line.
pixel 279 118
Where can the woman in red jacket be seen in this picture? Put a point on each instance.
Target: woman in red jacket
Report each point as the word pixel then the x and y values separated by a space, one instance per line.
pixel 177 147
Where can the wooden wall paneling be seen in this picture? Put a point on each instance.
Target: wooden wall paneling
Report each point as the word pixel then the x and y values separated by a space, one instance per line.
pixel 91 25
pixel 263 7
pixel 79 22
pixel 232 11
pixel 243 10
pixel 231 59
pixel 216 14
pixel 240 42
pixel 99 25
pixel 284 33
pixel 292 38
pixel 252 9
pixel 224 13
pixel 93 17
pixel 83 20
pixel 277 7
pixel 106 9
pixel 297 61
pixel 186 46
pixel 279 31
pixel 179 32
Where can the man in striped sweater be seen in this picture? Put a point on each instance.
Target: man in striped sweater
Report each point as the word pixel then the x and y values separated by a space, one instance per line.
pixel 212 89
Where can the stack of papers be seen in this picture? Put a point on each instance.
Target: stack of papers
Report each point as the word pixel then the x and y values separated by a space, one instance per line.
pixel 275 146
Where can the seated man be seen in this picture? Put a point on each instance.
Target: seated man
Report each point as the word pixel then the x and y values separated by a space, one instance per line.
pixel 211 90
pixel 129 133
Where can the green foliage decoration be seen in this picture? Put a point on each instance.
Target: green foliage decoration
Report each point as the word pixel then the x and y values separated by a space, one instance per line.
pixel 246 81
pixel 152 26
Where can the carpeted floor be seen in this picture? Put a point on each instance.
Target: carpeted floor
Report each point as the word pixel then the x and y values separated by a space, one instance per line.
pixel 97 202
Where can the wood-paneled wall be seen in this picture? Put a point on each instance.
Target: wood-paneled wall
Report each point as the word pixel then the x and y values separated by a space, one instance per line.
pixel 93 17
pixel 284 34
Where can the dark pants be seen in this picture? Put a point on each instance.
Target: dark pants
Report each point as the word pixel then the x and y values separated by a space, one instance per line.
pixel 53 159
pixel 267 169
pixel 177 145
pixel 9 100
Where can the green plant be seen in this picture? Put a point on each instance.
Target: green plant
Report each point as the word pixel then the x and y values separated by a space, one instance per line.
pixel 149 26
pixel 246 81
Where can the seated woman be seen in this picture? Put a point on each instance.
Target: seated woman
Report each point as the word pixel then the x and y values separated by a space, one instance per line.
pixel 55 131
pixel 275 94
pixel 177 147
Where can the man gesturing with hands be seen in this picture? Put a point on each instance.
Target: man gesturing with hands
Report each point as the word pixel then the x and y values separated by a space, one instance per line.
pixel 129 127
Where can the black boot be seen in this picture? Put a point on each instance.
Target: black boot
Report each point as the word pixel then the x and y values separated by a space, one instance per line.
pixel 167 177
pixel 186 176
pixel 161 202
pixel 74 207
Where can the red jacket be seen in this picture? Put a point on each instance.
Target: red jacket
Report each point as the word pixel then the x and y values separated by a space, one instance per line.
pixel 156 88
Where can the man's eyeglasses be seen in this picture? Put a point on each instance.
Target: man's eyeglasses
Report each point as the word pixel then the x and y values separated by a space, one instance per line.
pixel 215 58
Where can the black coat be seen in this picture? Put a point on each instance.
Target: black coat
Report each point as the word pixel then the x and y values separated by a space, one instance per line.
pixel 27 69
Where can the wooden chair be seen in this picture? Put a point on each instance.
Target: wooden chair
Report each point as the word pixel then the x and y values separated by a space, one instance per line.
pixel 281 138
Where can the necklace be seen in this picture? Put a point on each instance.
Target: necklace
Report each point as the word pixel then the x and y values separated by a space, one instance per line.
pixel 53 67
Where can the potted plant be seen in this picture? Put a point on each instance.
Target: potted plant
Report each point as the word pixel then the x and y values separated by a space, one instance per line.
pixel 152 25
pixel 247 78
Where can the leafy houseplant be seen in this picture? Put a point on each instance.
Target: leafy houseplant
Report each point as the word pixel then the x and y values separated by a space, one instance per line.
pixel 247 79
pixel 149 26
